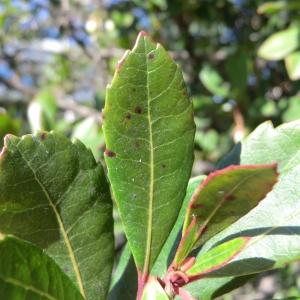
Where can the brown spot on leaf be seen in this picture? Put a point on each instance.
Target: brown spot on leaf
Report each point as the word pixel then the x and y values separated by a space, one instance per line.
pixel 128 116
pixel 138 110
pixel 163 166
pixel 230 198
pixel 151 56
pixel 137 144
pixel 109 153
pixel 43 136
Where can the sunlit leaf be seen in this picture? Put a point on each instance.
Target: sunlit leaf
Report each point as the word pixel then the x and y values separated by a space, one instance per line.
pixel 274 225
pixel 217 257
pixel 225 196
pixel 149 133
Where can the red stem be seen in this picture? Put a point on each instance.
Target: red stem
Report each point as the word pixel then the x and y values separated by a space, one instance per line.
pixel 142 279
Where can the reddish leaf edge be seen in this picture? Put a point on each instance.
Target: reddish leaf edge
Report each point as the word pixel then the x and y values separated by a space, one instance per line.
pixel 5 146
pixel 195 196
pixel 218 267
pixel 217 173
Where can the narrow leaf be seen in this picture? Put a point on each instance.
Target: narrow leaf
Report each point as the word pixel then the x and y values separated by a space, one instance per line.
pixel 280 44
pixel 149 132
pixel 54 194
pixel 27 273
pixel 217 257
pixel 224 197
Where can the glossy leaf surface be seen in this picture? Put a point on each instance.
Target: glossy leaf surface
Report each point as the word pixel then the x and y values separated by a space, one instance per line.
pixel 149 132
pixel 27 273
pixel 274 225
pixel 224 197
pixel 54 194
pixel 217 257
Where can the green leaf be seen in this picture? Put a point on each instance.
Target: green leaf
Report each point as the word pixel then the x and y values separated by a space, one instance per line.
pixel 124 282
pixel 149 132
pixel 217 257
pixel 274 225
pixel 153 290
pixel 88 132
pixel 225 196
pixel 292 113
pixel 27 273
pixel 53 194
pixel 280 44
pixel 168 251
pixel 292 64
pixel 237 70
pixel 212 80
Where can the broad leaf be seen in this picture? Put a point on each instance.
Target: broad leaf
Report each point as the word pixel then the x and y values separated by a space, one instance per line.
pixel 54 194
pixel 149 132
pixel 216 258
pixel 224 197
pixel 274 225
pixel 27 273
pixel 292 64
pixel 280 44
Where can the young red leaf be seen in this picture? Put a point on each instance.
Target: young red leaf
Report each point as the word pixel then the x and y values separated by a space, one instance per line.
pixel 225 196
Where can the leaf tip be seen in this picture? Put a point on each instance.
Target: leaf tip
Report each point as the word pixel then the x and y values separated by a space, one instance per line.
pixel 143 33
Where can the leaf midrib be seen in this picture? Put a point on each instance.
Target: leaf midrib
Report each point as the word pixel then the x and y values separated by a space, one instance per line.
pixel 223 199
pixel 26 287
pixel 151 182
pixel 61 226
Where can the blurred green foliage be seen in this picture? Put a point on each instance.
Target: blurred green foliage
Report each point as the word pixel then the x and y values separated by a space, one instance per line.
pixel 241 62
pixel 240 59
